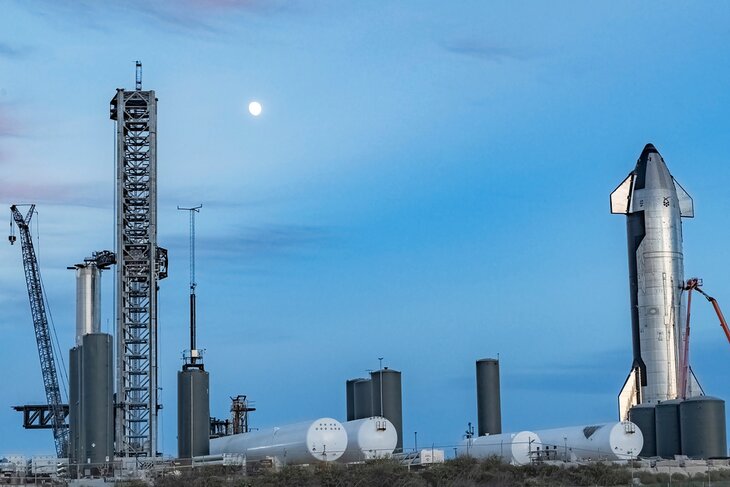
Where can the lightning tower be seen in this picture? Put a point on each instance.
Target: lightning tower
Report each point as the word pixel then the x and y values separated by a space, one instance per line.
pixel 141 264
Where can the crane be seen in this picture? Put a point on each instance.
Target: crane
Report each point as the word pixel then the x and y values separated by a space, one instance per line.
pixel 695 284
pixel 40 325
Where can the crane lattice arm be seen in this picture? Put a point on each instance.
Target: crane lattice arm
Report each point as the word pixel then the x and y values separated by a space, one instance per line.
pixel 42 334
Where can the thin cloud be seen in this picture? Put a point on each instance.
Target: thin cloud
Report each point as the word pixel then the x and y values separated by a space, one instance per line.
pixel 9 125
pixel 486 51
pixel 275 240
pixel 182 15
pixel 13 52
pixel 85 194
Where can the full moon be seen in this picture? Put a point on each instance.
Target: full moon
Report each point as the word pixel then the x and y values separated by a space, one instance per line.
pixel 254 108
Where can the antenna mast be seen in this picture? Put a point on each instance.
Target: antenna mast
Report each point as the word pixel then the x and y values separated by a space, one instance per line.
pixel 194 352
pixel 138 76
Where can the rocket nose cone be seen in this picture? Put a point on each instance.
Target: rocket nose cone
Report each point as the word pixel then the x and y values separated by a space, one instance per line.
pixel 648 149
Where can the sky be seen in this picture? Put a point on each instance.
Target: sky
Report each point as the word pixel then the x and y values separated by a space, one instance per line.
pixel 428 183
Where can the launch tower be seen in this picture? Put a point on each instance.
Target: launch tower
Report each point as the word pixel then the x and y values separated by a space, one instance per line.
pixel 140 265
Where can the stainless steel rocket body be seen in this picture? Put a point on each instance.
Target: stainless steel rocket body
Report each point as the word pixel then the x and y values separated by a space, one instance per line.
pixel 654 204
pixel 88 300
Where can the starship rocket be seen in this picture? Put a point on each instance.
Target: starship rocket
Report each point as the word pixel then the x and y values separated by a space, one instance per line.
pixel 654 205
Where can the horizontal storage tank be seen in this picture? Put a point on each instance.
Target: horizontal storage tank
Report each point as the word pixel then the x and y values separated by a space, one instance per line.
pixel 513 448
pixel 321 440
pixel 369 438
pixel 703 427
pixel 644 416
pixel 607 441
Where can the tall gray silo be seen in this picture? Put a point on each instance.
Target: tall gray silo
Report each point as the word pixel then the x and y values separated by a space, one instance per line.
pixel 388 399
pixel 489 409
pixel 350 393
pixel 668 429
pixel 97 412
pixel 362 398
pixel 193 419
pixel 644 416
pixel 703 427
pixel 74 408
pixel 91 374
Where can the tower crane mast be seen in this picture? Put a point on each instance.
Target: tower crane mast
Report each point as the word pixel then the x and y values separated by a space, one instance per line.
pixel 40 325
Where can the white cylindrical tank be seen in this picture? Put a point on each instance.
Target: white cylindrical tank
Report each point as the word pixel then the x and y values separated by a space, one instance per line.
pixel 513 448
pixel 323 439
pixel 607 441
pixel 369 438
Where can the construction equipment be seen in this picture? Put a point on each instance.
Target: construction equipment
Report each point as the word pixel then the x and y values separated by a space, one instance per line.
pixel 695 284
pixel 40 325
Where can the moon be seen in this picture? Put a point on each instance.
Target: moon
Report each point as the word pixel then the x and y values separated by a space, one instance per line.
pixel 254 108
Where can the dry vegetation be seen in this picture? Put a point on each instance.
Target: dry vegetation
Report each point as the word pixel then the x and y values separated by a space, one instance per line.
pixel 462 472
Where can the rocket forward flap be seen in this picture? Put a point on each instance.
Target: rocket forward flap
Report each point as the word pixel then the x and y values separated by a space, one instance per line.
pixel 621 196
pixel 630 394
pixel 686 206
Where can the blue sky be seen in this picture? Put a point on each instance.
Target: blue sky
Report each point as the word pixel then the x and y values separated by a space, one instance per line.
pixel 428 183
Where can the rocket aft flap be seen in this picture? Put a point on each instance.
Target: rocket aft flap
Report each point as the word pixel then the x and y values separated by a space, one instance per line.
pixel 654 204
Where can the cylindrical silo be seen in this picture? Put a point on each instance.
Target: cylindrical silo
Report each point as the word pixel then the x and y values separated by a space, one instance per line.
pixel 489 411
pixel 387 399
pixel 97 402
pixel 193 413
pixel 644 416
pixel 702 421
pixel 362 398
pixel 74 407
pixel 88 299
pixel 668 432
pixel 350 393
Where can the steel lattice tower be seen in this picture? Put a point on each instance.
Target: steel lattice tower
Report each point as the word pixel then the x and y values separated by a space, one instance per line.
pixel 141 264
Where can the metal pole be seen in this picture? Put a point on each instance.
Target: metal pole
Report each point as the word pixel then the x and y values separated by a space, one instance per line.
pixel 381 385
pixel 415 434
pixel 192 211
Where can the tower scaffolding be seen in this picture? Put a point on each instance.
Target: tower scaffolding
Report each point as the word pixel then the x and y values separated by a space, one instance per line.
pixel 141 264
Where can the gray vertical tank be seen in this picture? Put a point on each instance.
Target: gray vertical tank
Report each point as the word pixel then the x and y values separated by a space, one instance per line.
pixel 668 430
pixel 389 404
pixel 644 416
pixel 362 398
pixel 489 410
pixel 193 413
pixel 74 407
pixel 703 427
pixel 350 393
pixel 97 413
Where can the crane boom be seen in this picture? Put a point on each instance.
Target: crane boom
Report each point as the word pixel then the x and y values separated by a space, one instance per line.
pixel 42 334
